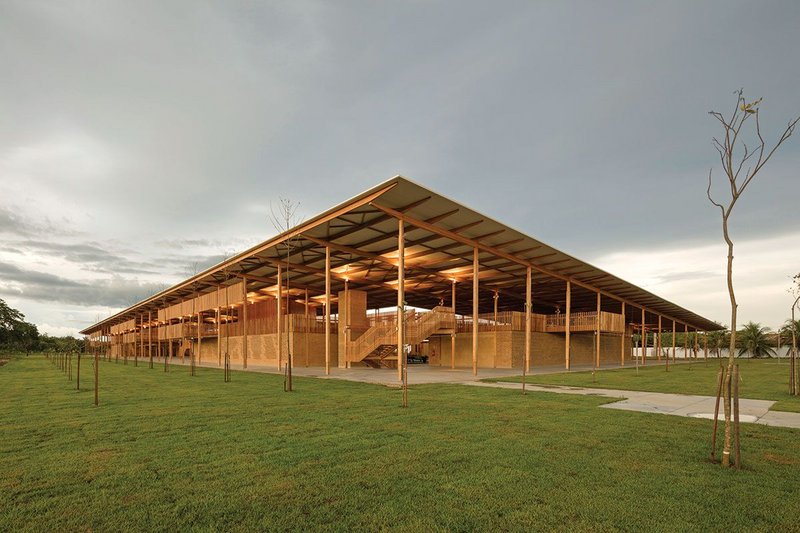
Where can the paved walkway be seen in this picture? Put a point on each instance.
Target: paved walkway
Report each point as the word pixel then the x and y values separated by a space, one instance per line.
pixel 754 411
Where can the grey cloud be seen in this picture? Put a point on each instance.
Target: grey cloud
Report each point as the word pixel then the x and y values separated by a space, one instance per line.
pixel 45 287
pixel 14 223
pixel 91 256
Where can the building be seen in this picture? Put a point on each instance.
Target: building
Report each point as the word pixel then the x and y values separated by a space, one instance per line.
pixel 397 265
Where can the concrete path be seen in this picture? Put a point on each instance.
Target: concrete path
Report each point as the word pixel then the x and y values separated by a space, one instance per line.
pixel 754 411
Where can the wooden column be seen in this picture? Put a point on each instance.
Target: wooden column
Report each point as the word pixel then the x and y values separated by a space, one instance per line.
pixel 567 345
pixel 219 333
pixel 658 344
pixel 455 328
pixel 401 256
pixel 307 327
pixel 141 338
pixel 347 324
pixel 199 357
pixel 150 337
pixel 496 297
pixel 279 301
pixel 696 343
pixel 705 345
pixel 219 327
pixel 622 339
pixel 644 339
pixel 244 322
pixel 528 319
pixel 327 310
pixel 475 274
pixel 673 340
pixel 597 334
pixel 685 341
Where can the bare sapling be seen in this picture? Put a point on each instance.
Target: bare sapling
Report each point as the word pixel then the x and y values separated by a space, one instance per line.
pixel 740 165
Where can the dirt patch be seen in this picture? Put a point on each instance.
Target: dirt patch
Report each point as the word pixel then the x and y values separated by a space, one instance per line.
pixel 4 361
pixel 780 459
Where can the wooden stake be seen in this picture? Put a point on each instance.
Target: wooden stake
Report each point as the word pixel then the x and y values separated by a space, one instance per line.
pixel 78 376
pixel 736 440
pixel 716 415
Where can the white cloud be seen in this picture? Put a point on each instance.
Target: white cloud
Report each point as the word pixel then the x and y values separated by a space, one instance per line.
pixel 694 276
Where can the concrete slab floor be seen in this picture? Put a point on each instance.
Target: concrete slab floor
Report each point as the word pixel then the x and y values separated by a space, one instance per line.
pixel 418 374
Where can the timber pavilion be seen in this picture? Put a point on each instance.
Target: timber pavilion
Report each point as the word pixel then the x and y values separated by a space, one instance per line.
pixel 398 266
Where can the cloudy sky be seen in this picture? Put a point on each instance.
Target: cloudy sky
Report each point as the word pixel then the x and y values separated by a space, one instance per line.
pixel 141 141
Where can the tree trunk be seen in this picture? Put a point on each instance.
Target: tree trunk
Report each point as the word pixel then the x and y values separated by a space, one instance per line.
pixel 726 449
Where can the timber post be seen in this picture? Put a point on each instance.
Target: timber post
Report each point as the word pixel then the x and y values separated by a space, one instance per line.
pixel 244 322
pixel 475 295
pixel 622 338
pixel 328 310
pixel 401 252
pixel 455 329
pixel 567 327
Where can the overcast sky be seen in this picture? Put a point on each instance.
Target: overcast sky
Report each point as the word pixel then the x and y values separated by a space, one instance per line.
pixel 139 140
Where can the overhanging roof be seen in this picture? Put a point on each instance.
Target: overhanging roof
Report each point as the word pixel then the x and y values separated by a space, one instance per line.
pixel 440 236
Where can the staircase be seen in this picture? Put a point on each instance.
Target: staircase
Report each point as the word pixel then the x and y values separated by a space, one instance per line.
pixel 377 347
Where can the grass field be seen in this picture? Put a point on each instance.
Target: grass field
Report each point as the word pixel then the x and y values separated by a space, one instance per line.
pixel 167 452
pixel 760 380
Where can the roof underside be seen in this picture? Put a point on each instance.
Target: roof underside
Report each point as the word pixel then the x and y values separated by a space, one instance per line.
pixel 440 236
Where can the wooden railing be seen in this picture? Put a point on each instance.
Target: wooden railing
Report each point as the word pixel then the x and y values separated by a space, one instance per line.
pixel 515 321
pixel 587 321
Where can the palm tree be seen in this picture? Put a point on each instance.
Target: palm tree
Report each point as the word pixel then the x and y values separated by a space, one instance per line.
pixel 786 331
pixel 717 340
pixel 753 340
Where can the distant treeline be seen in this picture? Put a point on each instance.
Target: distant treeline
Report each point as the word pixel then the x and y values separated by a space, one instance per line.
pixel 18 335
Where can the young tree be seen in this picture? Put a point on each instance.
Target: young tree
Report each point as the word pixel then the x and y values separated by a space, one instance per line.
pixel 794 328
pixel 284 217
pixel 735 156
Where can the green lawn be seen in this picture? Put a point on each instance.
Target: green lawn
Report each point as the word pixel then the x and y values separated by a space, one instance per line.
pixel 760 380
pixel 167 452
